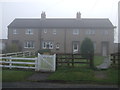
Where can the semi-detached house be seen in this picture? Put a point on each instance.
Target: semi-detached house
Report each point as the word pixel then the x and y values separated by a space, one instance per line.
pixel 62 35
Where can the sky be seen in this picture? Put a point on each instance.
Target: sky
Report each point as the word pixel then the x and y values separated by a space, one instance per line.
pixel 11 9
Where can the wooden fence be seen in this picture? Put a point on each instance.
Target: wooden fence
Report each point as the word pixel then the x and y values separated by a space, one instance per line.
pixel 71 59
pixel 115 57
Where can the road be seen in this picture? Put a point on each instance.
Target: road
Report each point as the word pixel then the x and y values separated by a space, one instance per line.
pixel 52 85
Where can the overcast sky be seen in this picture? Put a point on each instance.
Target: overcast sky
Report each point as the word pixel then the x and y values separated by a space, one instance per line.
pixel 56 9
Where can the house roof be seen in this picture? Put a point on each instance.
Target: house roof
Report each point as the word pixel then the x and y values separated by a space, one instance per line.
pixel 61 23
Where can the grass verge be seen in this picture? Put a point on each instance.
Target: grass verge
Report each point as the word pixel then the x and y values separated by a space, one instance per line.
pixel 15 75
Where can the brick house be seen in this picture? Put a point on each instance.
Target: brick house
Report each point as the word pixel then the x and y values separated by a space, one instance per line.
pixel 62 35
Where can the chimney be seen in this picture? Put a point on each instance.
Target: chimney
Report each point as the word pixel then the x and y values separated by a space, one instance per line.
pixel 43 15
pixel 78 15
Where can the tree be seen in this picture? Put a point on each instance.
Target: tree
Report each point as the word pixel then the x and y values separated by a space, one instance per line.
pixel 12 48
pixel 87 48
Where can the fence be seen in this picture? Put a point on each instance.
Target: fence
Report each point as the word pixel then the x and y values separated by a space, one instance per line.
pixel 73 59
pixel 40 63
pixel 18 54
pixel 115 57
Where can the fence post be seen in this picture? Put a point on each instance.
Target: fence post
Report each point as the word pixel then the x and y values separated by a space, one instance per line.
pixel 36 64
pixel 10 64
pixel 91 61
pixel 54 62
pixel 72 60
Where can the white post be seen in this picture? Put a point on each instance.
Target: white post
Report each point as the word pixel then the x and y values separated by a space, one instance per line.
pixel 36 64
pixel 54 62
pixel 10 64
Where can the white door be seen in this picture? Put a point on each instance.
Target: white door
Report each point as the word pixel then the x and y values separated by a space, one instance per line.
pixel 75 48
pixel 104 49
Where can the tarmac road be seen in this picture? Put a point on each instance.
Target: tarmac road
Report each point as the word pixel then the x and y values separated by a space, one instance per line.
pixel 52 85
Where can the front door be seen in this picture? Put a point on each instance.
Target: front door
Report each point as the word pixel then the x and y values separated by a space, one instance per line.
pixel 75 47
pixel 104 49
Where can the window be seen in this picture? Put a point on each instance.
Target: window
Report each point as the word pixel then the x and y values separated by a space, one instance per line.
pixel 106 32
pixel 29 44
pixel 90 32
pixel 57 46
pixel 75 31
pixel 15 31
pixel 47 45
pixel 29 31
pixel 54 31
pixel 45 30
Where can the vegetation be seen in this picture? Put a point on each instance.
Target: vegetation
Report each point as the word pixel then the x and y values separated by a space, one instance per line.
pixel 43 51
pixel 87 47
pixel 12 48
pixel 15 75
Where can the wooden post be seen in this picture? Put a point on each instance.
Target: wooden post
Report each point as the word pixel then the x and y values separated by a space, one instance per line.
pixel 91 61
pixel 72 60
pixel 113 58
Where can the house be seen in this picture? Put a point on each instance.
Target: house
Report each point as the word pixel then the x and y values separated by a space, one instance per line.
pixel 62 35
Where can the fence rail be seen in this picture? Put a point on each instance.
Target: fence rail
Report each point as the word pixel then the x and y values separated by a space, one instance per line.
pixel 40 63
pixel 71 59
pixel 23 54
pixel 115 57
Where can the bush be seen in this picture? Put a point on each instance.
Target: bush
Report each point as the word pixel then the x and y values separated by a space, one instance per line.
pixel 43 51
pixel 12 48
pixel 87 48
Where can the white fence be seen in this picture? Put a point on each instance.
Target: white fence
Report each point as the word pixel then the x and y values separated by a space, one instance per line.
pixel 40 63
pixel 17 54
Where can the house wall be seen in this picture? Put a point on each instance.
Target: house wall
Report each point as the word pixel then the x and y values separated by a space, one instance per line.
pixel 64 37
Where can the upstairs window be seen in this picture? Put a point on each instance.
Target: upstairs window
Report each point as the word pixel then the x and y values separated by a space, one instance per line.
pixel 54 31
pixel 90 32
pixel 29 32
pixel 29 44
pixel 15 31
pixel 47 45
pixel 75 31
pixel 45 30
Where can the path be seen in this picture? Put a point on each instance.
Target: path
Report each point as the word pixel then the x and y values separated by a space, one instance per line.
pixel 39 76
pixel 105 65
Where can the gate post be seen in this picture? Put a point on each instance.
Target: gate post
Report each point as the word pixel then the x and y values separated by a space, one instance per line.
pixel 38 63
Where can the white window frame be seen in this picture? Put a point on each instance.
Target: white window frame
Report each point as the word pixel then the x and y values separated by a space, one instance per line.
pixel 29 32
pixel 76 31
pixel 54 31
pixel 15 31
pixel 45 30
pixel 47 45
pixel 90 32
pixel 57 46
pixel 29 44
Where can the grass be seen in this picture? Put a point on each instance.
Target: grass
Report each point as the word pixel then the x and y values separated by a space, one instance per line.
pixel 15 75
pixel 83 74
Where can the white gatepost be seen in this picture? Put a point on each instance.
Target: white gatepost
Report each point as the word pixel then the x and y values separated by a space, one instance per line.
pixel 54 62
pixel 10 64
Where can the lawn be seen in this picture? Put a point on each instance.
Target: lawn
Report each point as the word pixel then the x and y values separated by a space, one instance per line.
pixel 83 74
pixel 15 75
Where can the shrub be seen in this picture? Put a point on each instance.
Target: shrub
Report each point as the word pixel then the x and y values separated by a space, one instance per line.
pixel 87 48
pixel 43 51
